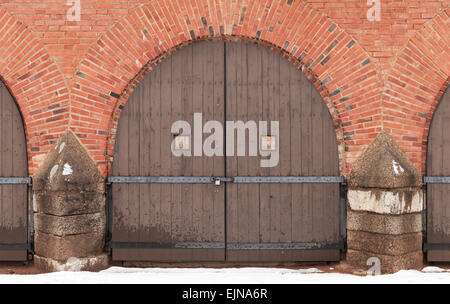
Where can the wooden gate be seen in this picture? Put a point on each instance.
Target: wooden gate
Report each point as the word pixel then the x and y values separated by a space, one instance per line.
pixel 199 208
pixel 437 243
pixel 13 181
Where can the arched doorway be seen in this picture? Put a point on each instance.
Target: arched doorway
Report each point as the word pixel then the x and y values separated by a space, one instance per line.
pixel 437 243
pixel 14 243
pixel 274 197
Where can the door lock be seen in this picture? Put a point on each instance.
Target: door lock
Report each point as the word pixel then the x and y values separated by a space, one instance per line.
pixel 217 181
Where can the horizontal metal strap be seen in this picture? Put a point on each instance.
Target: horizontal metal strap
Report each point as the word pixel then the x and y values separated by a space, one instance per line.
pixel 160 179
pixel 230 246
pixel 15 180
pixel 236 179
pixel 287 179
pixel 156 245
pixel 436 179
pixel 14 246
pixel 436 246
pixel 283 246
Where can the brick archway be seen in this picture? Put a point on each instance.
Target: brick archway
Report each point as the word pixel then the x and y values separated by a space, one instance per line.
pixel 340 69
pixel 37 84
pixel 415 85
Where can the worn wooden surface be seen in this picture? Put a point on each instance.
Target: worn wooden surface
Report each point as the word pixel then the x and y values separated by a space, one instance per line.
pixel 263 86
pixel 13 163
pixel 438 164
pixel 225 81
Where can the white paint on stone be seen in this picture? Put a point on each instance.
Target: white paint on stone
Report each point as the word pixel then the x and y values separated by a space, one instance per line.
pixel 53 171
pixel 34 205
pixel 76 264
pixel 384 202
pixel 61 147
pixel 67 170
pixel 397 167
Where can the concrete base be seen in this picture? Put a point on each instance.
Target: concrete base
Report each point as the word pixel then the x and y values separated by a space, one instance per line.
pixel 384 244
pixel 382 224
pixel 62 248
pixel 388 263
pixel 96 263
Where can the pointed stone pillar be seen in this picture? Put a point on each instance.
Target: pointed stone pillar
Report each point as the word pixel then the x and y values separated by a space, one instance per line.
pixel 385 203
pixel 70 218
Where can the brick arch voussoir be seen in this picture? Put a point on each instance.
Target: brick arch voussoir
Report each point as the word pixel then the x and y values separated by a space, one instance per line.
pixel 415 85
pixel 335 63
pixel 37 84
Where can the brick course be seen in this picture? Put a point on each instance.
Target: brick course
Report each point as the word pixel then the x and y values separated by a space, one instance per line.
pixel 387 74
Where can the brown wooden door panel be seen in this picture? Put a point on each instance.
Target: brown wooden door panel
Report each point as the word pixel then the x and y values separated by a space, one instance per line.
pixel 260 86
pixel 438 164
pixel 263 86
pixel 190 81
pixel 13 163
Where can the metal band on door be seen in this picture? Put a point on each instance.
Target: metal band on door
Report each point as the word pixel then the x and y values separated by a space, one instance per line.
pixel 218 181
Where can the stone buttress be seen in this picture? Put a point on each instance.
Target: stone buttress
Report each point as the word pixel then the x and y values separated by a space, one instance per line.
pixel 70 218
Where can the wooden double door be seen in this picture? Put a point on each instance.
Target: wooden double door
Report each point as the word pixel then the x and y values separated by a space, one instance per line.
pixel 207 207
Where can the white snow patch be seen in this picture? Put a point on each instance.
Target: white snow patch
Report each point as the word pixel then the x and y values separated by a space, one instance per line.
pixel 434 269
pixel 61 147
pixel 34 205
pixel 397 167
pixel 53 171
pixel 223 276
pixel 67 170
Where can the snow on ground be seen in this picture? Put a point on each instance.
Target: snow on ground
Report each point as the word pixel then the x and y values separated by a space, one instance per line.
pixel 226 276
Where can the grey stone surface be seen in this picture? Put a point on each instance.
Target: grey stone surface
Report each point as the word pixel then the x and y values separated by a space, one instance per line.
pixel 384 166
pixel 69 203
pixel 68 167
pixel 95 263
pixel 383 223
pixel 70 225
pixel 389 263
pixel 62 248
pixel 384 244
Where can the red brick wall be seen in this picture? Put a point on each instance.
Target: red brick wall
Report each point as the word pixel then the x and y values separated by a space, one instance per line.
pixel 373 75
